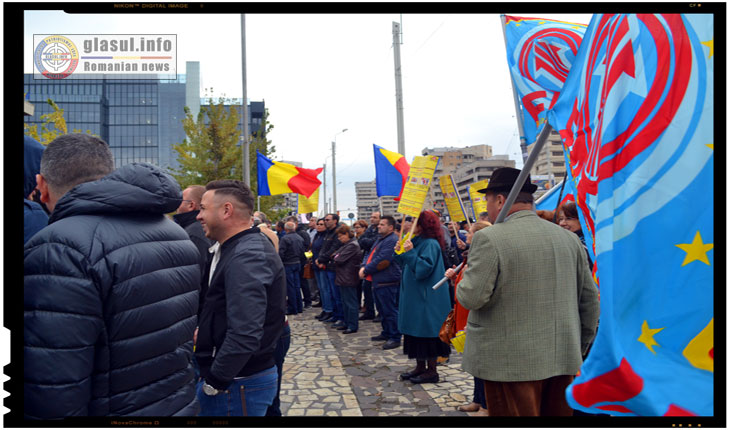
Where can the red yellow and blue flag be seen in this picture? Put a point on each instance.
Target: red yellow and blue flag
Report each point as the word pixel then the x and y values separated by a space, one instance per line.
pixel 391 172
pixel 636 118
pixel 540 53
pixel 275 177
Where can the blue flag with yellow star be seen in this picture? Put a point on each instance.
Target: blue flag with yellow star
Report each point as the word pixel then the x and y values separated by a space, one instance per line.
pixel 636 118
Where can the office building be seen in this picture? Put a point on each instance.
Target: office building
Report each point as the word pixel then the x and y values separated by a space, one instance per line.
pixel 140 119
pixel 367 202
pixel 550 161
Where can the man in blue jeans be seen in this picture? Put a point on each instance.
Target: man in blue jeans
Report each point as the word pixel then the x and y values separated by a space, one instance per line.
pixel 330 245
pixel 243 314
pixel 378 265
pixel 291 251
pixel 282 347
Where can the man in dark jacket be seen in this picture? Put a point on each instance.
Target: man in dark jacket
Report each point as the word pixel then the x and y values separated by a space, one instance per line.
pixel 366 241
pixel 110 290
pixel 330 244
pixel 385 274
pixel 243 314
pixel 291 251
pixel 34 216
pixel 185 217
pixel 301 229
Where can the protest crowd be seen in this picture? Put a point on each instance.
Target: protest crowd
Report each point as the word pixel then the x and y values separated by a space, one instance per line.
pixel 145 299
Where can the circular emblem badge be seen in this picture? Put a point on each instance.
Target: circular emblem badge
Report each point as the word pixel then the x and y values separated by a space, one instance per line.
pixel 56 57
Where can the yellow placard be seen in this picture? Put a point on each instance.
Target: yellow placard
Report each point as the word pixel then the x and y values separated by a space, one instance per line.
pixel 458 341
pixel 451 198
pixel 307 205
pixel 478 200
pixel 417 185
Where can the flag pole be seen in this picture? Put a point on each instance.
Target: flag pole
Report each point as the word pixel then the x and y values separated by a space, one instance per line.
pixel 462 203
pixel 541 139
pixel 518 114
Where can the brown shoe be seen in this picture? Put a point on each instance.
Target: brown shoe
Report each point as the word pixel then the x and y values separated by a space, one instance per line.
pixel 471 407
pixel 480 413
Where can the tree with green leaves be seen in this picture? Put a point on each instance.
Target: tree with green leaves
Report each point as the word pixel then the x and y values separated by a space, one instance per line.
pixel 54 125
pixel 212 150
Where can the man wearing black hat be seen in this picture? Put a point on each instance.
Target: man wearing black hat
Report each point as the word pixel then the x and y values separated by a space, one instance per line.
pixel 534 306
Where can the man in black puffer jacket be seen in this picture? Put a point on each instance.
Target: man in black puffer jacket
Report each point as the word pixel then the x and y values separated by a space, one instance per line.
pixel 110 290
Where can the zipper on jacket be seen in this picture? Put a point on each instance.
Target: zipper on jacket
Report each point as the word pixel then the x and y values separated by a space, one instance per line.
pixel 213 354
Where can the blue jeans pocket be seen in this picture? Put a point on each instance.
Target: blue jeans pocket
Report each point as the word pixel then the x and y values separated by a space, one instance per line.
pixel 219 405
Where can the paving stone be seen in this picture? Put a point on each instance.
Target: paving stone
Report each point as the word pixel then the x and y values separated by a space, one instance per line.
pixel 330 374
pixel 332 399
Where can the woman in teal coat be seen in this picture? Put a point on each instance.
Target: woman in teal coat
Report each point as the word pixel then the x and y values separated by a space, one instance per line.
pixel 422 310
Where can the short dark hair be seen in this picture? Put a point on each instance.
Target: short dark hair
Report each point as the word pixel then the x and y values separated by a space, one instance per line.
pixel 196 193
pixel 334 217
pixel 73 159
pixel 233 188
pixel 389 219
pixel 345 229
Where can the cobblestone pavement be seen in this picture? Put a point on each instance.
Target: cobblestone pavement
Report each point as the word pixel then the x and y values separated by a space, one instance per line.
pixel 327 373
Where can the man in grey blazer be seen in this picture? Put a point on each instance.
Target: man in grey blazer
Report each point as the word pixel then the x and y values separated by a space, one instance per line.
pixel 533 306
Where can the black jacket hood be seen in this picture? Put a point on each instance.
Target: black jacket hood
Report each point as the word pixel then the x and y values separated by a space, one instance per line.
pixel 136 187
pixel 32 152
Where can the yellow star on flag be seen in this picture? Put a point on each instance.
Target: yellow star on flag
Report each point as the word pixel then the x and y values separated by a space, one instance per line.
pixel 647 336
pixel 710 44
pixel 697 250
pixel 710 145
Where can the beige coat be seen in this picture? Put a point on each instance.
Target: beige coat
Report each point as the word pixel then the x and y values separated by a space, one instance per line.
pixel 534 305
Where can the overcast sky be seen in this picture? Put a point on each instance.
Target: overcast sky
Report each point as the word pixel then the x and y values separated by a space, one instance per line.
pixel 319 74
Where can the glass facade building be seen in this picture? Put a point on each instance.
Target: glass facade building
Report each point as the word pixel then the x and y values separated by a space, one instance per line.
pixel 140 119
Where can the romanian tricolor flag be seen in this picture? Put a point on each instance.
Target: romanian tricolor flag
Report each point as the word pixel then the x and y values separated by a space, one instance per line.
pixel 391 172
pixel 275 177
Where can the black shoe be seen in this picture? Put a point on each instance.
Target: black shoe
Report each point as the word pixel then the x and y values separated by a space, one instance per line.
pixel 378 338
pixel 320 315
pixel 340 327
pixel 317 305
pixel 391 344
pixel 348 331
pixel 339 323
pixel 307 305
pixel 366 317
pixel 378 319
pixel 330 320
pixel 325 316
pixel 412 374
pixel 425 378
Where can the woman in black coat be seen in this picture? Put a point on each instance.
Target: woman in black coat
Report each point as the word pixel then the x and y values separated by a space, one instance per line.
pixel 347 265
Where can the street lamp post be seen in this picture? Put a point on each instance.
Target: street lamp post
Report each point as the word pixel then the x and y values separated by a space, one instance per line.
pixel 334 177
